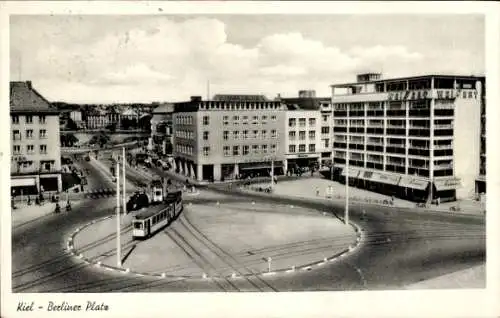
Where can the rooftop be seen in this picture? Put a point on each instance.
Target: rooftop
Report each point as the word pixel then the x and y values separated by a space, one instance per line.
pixel 164 108
pixel 305 103
pixel 418 77
pixel 24 98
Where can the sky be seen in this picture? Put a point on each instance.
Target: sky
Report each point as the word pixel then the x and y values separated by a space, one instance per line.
pixel 104 59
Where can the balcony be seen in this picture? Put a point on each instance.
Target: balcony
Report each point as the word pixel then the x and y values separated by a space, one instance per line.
pixel 449 126
pixel 443 166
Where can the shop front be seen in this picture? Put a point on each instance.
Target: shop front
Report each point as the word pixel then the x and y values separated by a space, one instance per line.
pixel 259 169
pixel 23 186
pixel 446 189
pixel 481 185
pixel 414 188
pixel 352 175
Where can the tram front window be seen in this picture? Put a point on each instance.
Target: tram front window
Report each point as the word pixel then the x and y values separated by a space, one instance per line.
pixel 138 225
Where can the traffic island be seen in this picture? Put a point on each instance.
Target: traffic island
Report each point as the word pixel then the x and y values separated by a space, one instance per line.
pixel 220 239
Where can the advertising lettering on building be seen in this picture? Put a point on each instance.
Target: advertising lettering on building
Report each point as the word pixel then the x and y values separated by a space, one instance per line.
pixel 440 94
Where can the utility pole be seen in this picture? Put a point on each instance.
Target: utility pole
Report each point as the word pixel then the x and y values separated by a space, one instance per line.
pixel 124 194
pixel 118 243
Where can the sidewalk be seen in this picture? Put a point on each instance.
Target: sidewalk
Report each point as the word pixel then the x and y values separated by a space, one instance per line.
pixel 474 277
pixel 308 189
pixel 25 214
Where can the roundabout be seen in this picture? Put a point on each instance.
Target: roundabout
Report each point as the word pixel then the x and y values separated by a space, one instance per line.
pixel 224 242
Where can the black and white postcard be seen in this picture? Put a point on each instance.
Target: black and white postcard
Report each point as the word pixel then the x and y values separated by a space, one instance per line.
pixel 300 159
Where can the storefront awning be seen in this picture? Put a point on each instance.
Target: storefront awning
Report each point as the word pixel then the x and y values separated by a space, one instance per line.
pixel 385 178
pixel 414 183
pixel 353 173
pixel 447 184
pixel 23 182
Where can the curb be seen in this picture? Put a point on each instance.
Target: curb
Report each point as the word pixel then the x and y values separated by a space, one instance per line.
pixel 308 266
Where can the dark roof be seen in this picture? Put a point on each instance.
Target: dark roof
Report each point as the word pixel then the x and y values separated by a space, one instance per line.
pixel 410 78
pixel 304 103
pixel 25 99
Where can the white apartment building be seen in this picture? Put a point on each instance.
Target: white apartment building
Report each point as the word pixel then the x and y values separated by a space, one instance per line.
pixel 416 137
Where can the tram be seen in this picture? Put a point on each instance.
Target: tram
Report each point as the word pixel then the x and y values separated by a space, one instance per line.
pixel 146 224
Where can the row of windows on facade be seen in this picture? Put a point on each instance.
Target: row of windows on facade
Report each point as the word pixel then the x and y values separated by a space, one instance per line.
pixel 234 150
pixel 28 119
pixel 302 148
pixel 292 135
pixel 16 134
pixel 30 149
pixel 245 134
pixel 393 140
pixel 223 105
pixel 188 120
pixel 397 160
pixel 292 122
pixel 424 123
pixel 388 105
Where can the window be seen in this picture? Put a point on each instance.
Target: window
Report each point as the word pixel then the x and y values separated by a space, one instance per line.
pixel 17 149
pixel 264 117
pixel 302 122
pixel 325 130
pixel 325 117
pixel 273 133
pixel 264 149
pixel 226 120
pixel 255 134
pixel 327 142
pixel 41 119
pixel 302 148
pixel 312 134
pixel 273 117
pixel 43 149
pixel 29 119
pixel 205 135
pixel 246 149
pixel 16 135
pixel 206 151
pixel 264 134
pixel 245 134
pixel 312 147
pixel 225 135
pixel 292 122
pixel 236 135
pixel 273 148
pixel 255 149
pixel 206 120
pixel 291 135
pixel 291 148
pixel 236 150
pixel 235 118
pixel 30 148
pixel 302 135
pixel 15 119
pixel 29 134
pixel 312 122
pixel 227 151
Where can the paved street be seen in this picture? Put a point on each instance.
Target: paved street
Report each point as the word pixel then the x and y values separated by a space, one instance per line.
pixel 403 247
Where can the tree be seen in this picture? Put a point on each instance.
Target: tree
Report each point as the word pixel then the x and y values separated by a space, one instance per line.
pixel 68 140
pixel 101 139
pixel 111 127
pixel 70 124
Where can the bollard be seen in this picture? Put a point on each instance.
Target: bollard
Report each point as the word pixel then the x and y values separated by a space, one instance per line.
pixel 293 268
pixel 217 203
pixel 127 270
pixel 204 276
pixel 163 275
pixel 325 260
pixel 233 275
pixel 253 202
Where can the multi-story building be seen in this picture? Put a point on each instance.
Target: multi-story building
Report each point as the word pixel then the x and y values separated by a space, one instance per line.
pixel 415 137
pixel 36 152
pixel 229 136
pixel 307 137
pixel 481 178
pixel 161 140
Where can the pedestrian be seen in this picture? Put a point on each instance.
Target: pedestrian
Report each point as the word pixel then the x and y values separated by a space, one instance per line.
pixel 317 191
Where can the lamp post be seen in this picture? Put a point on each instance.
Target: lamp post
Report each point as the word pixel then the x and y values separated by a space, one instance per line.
pixel 346 211
pixel 124 194
pixel 118 243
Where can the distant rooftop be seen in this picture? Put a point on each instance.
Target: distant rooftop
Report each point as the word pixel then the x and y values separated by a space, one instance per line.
pixel 164 108
pixel 24 98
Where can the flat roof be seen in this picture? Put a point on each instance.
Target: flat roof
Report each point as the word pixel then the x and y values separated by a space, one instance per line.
pixel 396 79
